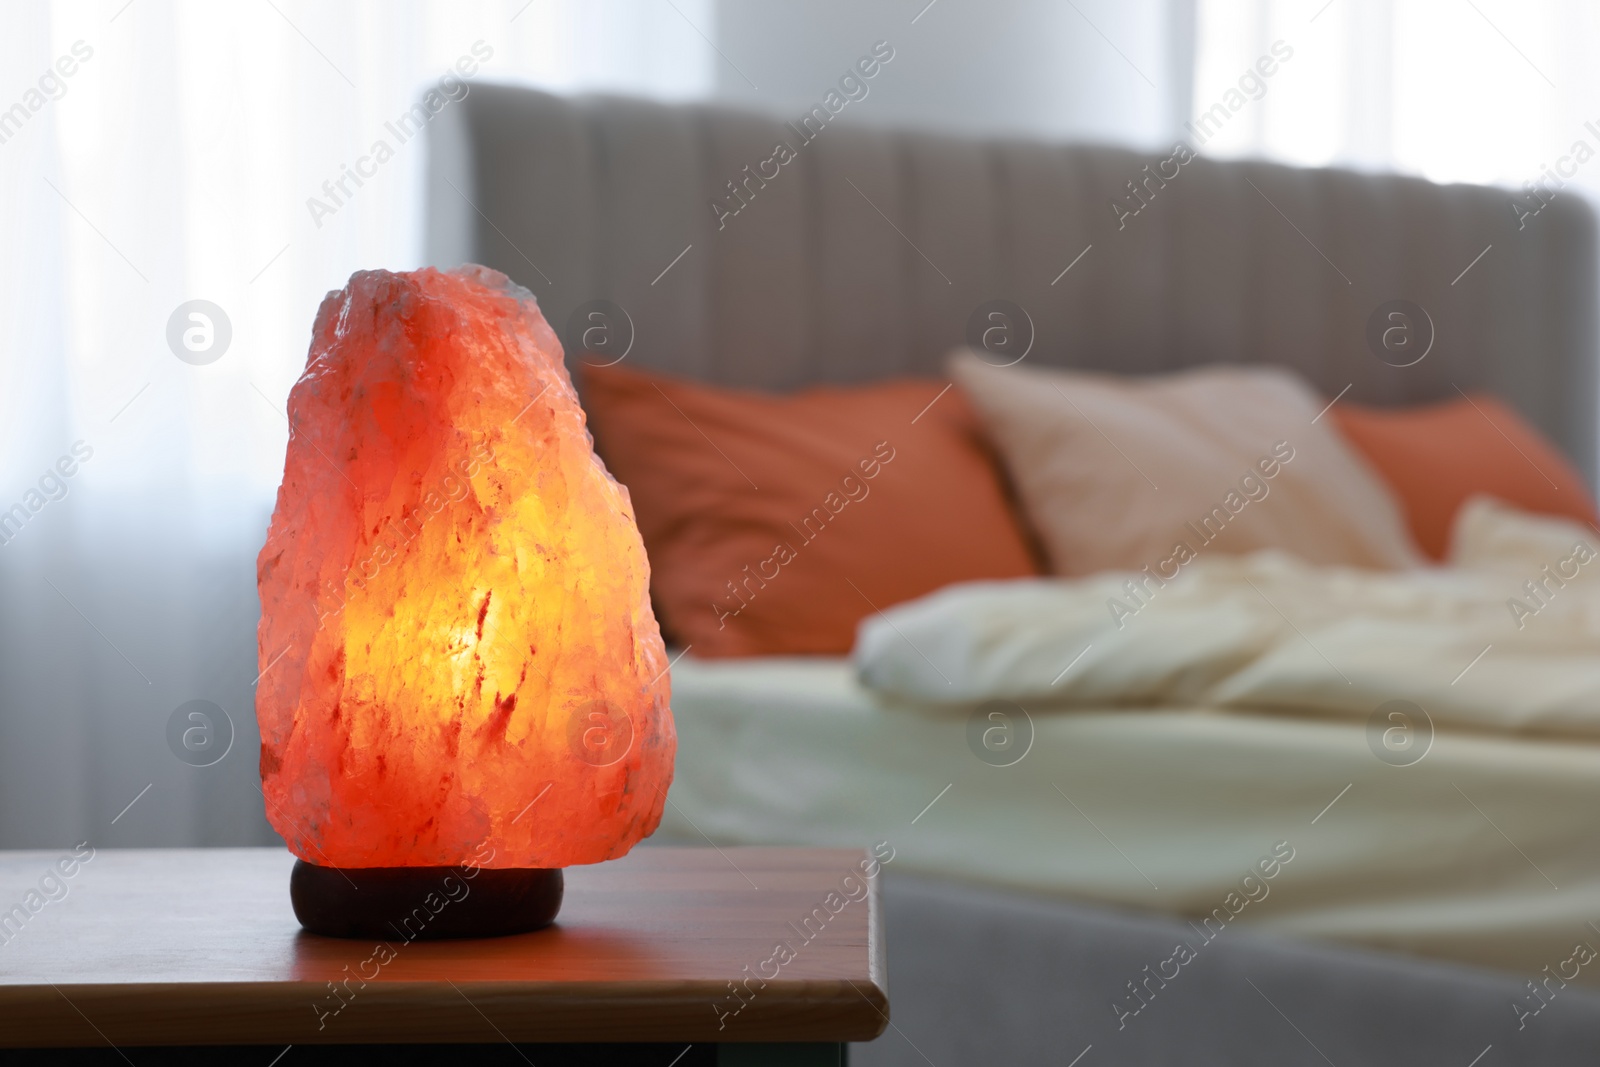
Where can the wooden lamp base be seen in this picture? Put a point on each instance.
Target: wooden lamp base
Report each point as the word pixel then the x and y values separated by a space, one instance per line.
pixel 424 903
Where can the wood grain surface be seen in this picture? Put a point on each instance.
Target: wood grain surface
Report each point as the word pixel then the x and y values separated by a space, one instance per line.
pixel 200 946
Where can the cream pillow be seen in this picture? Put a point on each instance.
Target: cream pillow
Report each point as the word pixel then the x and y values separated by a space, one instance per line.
pixel 1491 535
pixel 1123 473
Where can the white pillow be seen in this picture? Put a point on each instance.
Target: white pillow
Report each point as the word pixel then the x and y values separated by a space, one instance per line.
pixel 1490 535
pixel 1124 473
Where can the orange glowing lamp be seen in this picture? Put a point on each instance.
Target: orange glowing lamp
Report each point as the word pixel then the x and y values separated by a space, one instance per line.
pixel 462 676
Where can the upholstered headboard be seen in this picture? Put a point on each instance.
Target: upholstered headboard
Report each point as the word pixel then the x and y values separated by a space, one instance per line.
pixel 863 253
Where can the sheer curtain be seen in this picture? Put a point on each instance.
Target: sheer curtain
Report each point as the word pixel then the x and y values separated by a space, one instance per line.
pixel 156 154
pixel 1487 91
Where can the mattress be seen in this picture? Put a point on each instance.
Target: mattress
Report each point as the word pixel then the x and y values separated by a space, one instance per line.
pixel 1483 851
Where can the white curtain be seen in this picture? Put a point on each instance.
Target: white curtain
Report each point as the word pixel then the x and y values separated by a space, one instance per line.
pixel 156 153
pixel 1487 91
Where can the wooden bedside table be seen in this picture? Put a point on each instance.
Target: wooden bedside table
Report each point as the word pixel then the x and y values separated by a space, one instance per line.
pixel 666 952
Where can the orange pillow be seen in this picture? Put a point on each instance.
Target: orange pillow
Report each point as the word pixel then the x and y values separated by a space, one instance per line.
pixel 775 523
pixel 1435 457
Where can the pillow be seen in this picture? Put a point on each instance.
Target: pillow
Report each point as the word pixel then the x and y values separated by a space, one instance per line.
pixel 1124 473
pixel 1491 535
pixel 775 523
pixel 1435 457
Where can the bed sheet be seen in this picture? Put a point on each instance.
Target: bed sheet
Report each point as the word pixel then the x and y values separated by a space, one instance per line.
pixel 1484 851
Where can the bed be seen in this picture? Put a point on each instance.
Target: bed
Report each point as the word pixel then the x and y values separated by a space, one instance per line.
pixel 1162 810
pixel 1033 909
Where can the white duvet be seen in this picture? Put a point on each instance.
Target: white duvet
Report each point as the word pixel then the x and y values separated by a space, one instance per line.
pixel 1506 638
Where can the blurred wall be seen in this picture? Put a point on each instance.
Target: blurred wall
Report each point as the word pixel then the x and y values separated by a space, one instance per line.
pixel 1103 70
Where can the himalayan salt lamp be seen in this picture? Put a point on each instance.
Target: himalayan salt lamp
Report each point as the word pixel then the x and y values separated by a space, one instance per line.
pixel 463 686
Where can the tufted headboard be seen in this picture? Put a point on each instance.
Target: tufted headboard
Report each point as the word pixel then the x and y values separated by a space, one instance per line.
pixel 863 253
